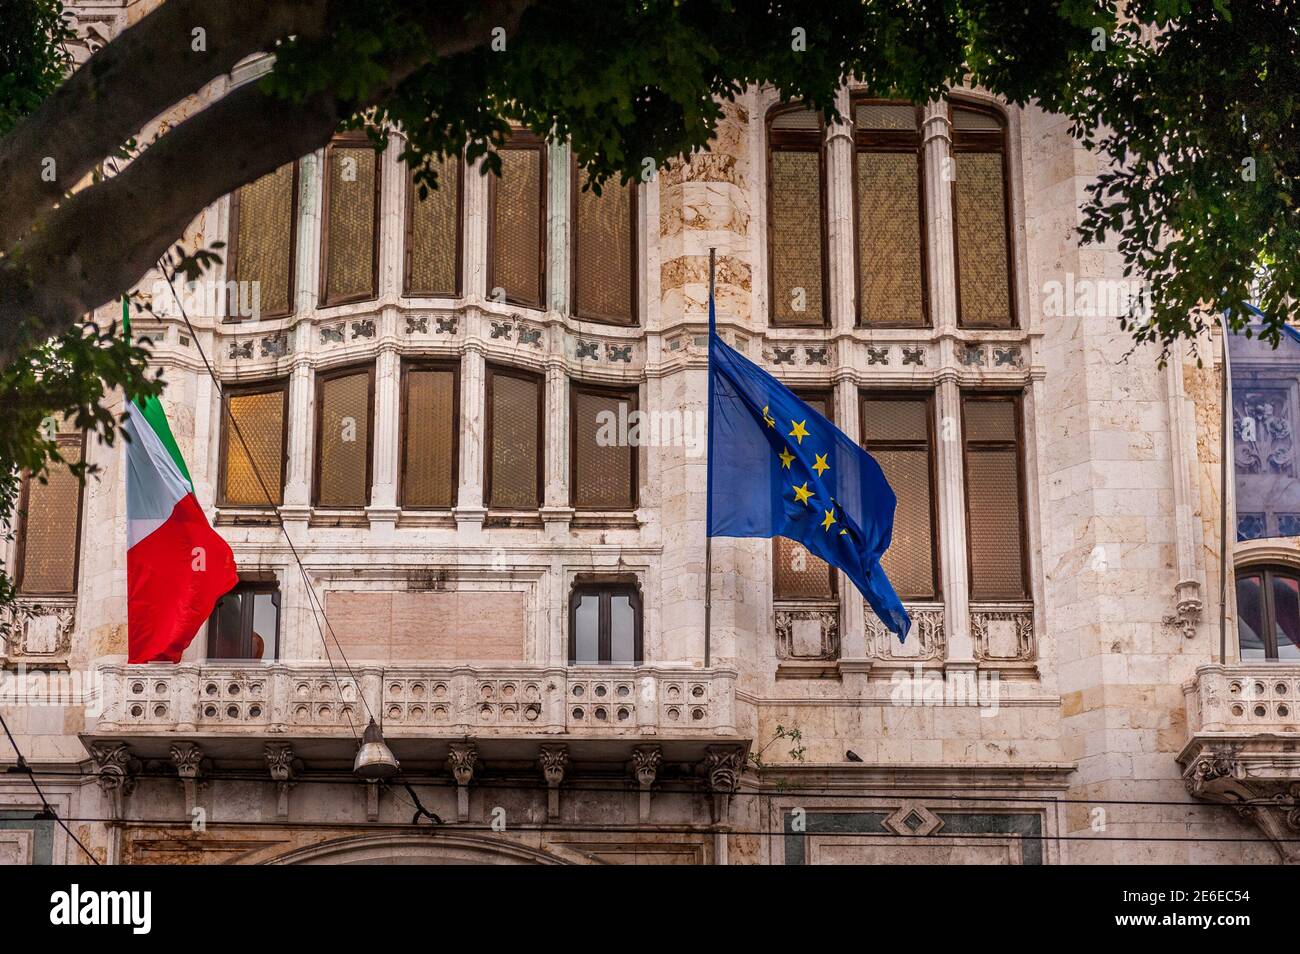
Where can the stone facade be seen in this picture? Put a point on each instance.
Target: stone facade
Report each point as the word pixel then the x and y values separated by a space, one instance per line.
pixel 1081 725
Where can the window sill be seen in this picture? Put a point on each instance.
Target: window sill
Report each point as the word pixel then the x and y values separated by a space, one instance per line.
pixel 808 669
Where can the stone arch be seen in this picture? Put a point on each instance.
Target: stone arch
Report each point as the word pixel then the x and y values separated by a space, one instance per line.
pixel 413 849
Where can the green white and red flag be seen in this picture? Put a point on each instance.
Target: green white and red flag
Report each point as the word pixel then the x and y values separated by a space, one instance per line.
pixel 177 566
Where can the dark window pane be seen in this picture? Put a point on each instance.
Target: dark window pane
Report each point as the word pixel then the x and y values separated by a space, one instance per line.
pixel 622 628
pixel 49 527
pixel 982 240
pixel 796 240
pixel 909 561
pixel 602 467
pixel 433 265
pixel 586 629
pixel 226 637
pixel 1286 615
pixel 516 223
pixel 260 419
pixel 263 243
pixel 1250 617
pixel 350 220
pixel 516 404
pixel 603 288
pixel 344 450
pixel 429 477
pixel 245 624
pixel 889 238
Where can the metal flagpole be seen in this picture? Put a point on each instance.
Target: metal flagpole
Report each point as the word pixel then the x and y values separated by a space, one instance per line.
pixel 1225 541
pixel 708 497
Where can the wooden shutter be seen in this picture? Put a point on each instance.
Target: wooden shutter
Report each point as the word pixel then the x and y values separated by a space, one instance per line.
pixel 433 245
pixel 796 218
pixel 263 237
pixel 991 427
pixel 344 401
pixel 603 471
pixel 981 219
pixel 430 426
pixel 351 222
pixel 604 228
pixel 49 515
pixel 259 414
pixel 515 438
pixel 517 223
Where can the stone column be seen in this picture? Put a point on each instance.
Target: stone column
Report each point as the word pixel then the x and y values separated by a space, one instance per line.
pixel 474 277
pixel 392 219
pixel 853 612
pixel 309 231
pixel 557 227
pixel 839 222
pixel 470 511
pixel 556 512
pixel 386 424
pixel 952 526
pixel 302 396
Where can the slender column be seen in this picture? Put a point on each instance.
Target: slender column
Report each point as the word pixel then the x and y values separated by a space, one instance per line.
pixel 557 227
pixel 839 219
pixel 556 511
pixel 853 612
pixel 952 526
pixel 309 231
pixel 474 279
pixel 941 261
pixel 383 493
pixel 473 422
pixel 300 434
pixel 392 218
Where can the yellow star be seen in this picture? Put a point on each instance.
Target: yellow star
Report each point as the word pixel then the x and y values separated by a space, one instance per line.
pixel 830 519
pixel 799 432
pixel 786 458
pixel 803 494
pixel 767 419
pixel 844 533
pixel 820 464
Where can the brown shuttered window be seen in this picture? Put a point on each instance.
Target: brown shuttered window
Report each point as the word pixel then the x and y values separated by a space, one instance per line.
pixel 898 431
pixel 796 217
pixel 259 416
pixel 604 250
pixel 796 573
pixel 433 225
pixel 351 230
pixel 994 515
pixel 263 238
pixel 49 525
pixel 890 210
pixel 514 476
pixel 982 226
pixel 517 223
pixel 603 472
pixel 430 436
pixel 344 405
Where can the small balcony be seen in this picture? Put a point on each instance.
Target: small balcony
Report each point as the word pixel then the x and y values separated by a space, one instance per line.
pixel 1243 747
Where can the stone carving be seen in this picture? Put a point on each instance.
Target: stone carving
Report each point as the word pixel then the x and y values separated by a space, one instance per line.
pixel 783 355
pixel 1261 424
pixel 1186 617
pixel 1251 526
pixel 1208 768
pixel 927 630
pixel 241 349
pixel 189 761
pixel 530 336
pixel 646 760
pixel 275 346
pixel 1005 633
pixel 972 355
pixel 283 766
pixel 619 353
pixel 816 355
pixel 417 323
pixel 363 329
pixel 554 760
pixel 586 349
pixel 502 329
pixel 115 771
pixel 41 630
pixel 722 767
pixel 877 355
pixel 1006 357
pixel 446 326
pixel 914 356
pixel 462 760
pixel 329 333
pixel 787 621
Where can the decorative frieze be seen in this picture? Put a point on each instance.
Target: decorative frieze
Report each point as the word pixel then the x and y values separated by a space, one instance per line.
pixel 807 632
pixel 925 643
pixel 1002 631
pixel 38 631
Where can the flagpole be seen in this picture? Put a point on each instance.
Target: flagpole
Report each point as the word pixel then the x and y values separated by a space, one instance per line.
pixel 708 497
pixel 1224 539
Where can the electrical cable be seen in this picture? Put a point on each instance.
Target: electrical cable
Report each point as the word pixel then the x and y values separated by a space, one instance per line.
pixel 21 767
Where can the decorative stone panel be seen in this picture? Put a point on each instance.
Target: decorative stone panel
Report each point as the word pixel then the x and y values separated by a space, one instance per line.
pixel 1002 631
pixel 807 630
pixel 925 643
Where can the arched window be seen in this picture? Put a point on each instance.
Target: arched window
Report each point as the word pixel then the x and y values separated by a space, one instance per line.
pixel 604 251
pixel 796 217
pixel 433 229
pixel 517 223
pixel 981 218
pixel 262 238
pixel 1268 612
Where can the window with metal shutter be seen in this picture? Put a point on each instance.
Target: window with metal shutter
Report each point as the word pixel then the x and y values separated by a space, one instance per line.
pixel 991 428
pixel 343 410
pixel 603 475
pixel 433 234
pixel 351 222
pixel 604 227
pixel 263 233
pixel 516 221
pixel 891 261
pixel 49 515
pixel 258 416
pixel 796 573
pixel 897 431
pixel 980 213
pixel 515 436
pixel 430 428
pixel 796 230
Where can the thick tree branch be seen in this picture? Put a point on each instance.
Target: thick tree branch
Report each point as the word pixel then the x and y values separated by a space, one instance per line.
pixel 103 239
pixel 130 81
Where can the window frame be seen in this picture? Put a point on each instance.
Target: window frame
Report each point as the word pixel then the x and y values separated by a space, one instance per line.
pixel 634 317
pixel 791 140
pixel 324 375
pixel 1016 399
pixel 605 590
pixel 928 396
pixel 632 396
pixel 520 139
pixel 348 140
pixel 890 141
pixel 1267 572
pixel 227 419
pixel 429 364
pixel 407 249
pixel 489 432
pixel 826 394
pixel 232 253
pixel 970 141
pixel 70 438
pixel 250 587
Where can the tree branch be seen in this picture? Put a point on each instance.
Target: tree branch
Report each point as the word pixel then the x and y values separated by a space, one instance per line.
pixel 128 82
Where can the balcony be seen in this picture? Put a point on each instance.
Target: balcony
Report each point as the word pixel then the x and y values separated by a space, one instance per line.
pixel 1243 747
pixel 233 710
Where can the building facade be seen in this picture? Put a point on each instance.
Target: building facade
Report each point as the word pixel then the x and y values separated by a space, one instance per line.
pixel 457 447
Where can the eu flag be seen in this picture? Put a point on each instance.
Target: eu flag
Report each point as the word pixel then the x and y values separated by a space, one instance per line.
pixel 778 468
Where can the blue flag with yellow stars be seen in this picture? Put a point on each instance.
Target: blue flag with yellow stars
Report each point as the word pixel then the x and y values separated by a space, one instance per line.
pixel 778 468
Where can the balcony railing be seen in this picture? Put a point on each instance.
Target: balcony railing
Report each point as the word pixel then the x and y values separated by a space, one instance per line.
pixel 1244 697
pixel 308 699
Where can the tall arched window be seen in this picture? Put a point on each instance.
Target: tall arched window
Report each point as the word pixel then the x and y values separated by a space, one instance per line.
pixel 604 251
pixel 1268 612
pixel 796 217
pixel 981 218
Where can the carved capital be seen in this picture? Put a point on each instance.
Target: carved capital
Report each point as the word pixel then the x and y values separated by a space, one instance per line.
pixel 281 762
pixel 188 759
pixel 462 760
pixel 115 767
pixel 554 760
pixel 646 760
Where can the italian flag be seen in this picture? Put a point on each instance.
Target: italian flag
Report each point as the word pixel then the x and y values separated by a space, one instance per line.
pixel 177 566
